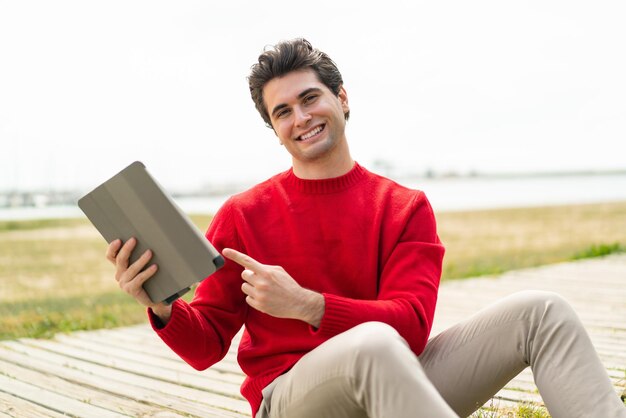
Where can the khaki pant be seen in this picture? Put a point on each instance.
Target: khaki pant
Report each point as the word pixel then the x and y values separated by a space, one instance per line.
pixel 370 372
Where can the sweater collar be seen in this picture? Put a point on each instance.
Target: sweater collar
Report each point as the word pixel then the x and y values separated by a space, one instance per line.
pixel 323 186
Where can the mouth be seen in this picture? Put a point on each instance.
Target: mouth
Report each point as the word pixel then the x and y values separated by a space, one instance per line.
pixel 313 133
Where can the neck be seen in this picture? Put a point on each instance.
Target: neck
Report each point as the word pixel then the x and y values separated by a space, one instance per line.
pixel 333 165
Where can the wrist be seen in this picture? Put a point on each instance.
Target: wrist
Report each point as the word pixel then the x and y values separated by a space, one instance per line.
pixel 313 308
pixel 163 312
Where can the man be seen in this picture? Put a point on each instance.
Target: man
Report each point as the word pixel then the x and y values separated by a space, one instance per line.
pixel 334 272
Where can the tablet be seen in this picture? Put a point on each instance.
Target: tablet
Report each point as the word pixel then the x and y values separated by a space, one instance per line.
pixel 133 204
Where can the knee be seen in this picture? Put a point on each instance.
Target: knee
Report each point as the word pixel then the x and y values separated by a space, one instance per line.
pixel 549 306
pixel 372 334
pixel 377 340
pixel 546 300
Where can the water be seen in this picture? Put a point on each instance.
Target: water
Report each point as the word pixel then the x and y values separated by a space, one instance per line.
pixel 484 193
pixel 444 194
pixel 200 205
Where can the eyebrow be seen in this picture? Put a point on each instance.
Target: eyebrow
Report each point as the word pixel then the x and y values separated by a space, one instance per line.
pixel 281 106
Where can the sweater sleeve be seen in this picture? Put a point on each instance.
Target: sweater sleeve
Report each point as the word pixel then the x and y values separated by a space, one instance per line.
pixel 200 332
pixel 408 285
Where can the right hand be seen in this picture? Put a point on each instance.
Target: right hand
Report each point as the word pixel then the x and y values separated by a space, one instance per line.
pixel 130 278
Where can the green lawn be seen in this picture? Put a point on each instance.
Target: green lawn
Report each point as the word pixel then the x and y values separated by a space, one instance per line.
pixel 54 277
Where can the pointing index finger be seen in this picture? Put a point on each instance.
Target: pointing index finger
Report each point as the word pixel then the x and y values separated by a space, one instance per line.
pixel 243 260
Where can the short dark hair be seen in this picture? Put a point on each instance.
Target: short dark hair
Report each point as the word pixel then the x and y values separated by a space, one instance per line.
pixel 288 56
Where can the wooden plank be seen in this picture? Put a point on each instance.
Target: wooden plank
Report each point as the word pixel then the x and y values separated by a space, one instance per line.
pixel 79 391
pixel 152 346
pixel 106 373
pixel 139 342
pixel 144 389
pixel 490 292
pixel 602 310
pixel 12 406
pixel 98 345
pixel 188 378
pixel 148 336
pixel 130 370
pixel 53 401
pixel 519 396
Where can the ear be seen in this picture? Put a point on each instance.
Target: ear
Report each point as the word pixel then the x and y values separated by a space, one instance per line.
pixel 343 99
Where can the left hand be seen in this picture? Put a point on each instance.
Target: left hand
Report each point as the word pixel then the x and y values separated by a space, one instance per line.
pixel 271 290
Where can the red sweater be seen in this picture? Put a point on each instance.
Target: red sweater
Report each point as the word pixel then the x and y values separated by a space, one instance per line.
pixel 367 244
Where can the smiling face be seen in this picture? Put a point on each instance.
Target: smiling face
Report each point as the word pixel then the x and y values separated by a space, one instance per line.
pixel 309 121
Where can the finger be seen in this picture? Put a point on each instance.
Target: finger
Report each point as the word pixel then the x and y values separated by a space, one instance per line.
pixel 248 289
pixel 135 268
pixel 112 250
pixel 253 303
pixel 134 286
pixel 243 260
pixel 248 275
pixel 142 277
pixel 121 260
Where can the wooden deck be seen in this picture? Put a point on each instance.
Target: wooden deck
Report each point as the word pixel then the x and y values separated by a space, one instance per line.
pixel 130 372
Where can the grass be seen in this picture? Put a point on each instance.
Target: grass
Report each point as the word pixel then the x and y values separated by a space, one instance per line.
pixel 67 314
pixel 623 386
pixel 54 277
pixel 38 224
pixel 493 241
pixel 599 251
pixel 521 411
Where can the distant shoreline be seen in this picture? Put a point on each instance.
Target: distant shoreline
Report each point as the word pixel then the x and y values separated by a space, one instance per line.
pixel 399 175
pixel 75 215
pixel 445 194
pixel 504 175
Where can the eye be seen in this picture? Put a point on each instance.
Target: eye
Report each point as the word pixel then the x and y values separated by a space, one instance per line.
pixel 309 98
pixel 282 113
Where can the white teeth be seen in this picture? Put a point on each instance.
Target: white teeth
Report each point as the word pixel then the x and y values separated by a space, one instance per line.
pixel 313 132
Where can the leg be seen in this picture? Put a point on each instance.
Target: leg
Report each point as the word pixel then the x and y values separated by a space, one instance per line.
pixel 368 371
pixel 471 361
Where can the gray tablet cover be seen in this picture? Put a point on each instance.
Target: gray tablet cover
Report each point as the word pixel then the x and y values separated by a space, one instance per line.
pixel 133 204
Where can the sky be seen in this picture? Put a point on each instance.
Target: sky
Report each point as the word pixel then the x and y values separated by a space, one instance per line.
pixel 87 87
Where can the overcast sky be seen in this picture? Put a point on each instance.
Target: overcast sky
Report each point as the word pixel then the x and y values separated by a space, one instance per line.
pixel 88 87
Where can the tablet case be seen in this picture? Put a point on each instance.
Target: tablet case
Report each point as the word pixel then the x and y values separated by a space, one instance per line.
pixel 133 204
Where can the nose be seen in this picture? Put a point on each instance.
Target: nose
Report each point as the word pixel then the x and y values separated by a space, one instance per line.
pixel 302 117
